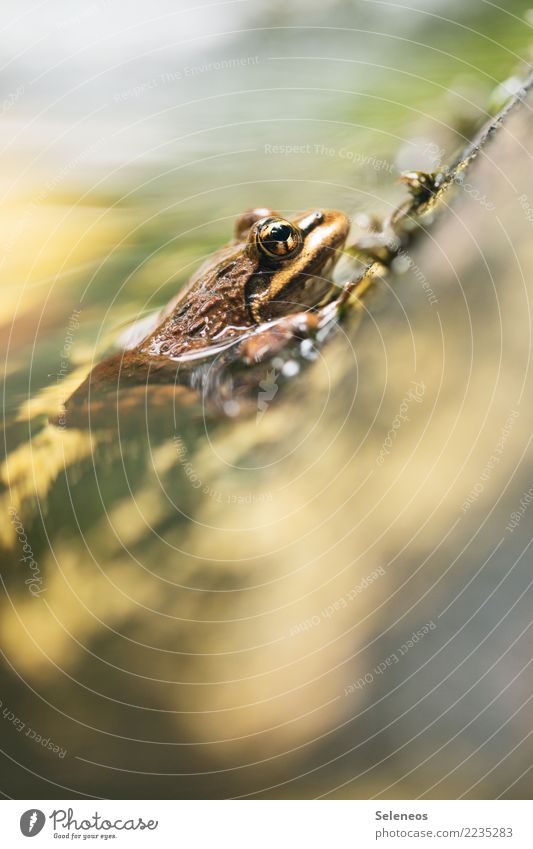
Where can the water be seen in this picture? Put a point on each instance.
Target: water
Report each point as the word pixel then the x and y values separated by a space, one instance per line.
pixel 154 631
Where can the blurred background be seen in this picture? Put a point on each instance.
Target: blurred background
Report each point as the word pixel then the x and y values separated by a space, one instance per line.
pixel 296 604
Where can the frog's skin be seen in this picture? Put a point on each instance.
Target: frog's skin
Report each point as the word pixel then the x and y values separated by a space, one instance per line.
pixel 256 295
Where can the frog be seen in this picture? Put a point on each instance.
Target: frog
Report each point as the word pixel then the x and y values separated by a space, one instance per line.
pixel 268 281
pixel 270 287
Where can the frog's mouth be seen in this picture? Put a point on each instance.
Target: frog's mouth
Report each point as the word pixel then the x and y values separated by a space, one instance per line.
pixel 301 283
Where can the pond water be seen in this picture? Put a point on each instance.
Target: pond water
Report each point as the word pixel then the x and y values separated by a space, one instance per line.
pixel 185 595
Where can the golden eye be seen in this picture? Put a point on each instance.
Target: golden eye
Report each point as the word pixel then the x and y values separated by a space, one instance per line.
pixel 277 239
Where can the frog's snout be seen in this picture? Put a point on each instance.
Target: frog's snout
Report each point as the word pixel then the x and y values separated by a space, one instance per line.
pixel 325 226
pixel 339 223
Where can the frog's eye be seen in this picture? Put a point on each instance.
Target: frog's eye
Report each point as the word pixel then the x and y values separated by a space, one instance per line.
pixel 277 239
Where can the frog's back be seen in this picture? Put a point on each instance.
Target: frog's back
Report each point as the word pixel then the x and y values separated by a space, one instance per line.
pixel 213 302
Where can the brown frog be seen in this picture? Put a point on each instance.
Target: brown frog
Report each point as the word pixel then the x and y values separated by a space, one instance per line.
pixel 274 269
pixel 271 285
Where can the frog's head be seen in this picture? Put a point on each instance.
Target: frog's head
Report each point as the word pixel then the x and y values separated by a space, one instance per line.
pixel 293 258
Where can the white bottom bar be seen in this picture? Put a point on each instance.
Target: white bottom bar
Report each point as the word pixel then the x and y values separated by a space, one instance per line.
pixel 267 824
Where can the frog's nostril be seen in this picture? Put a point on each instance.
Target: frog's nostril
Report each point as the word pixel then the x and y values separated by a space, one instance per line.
pixel 310 221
